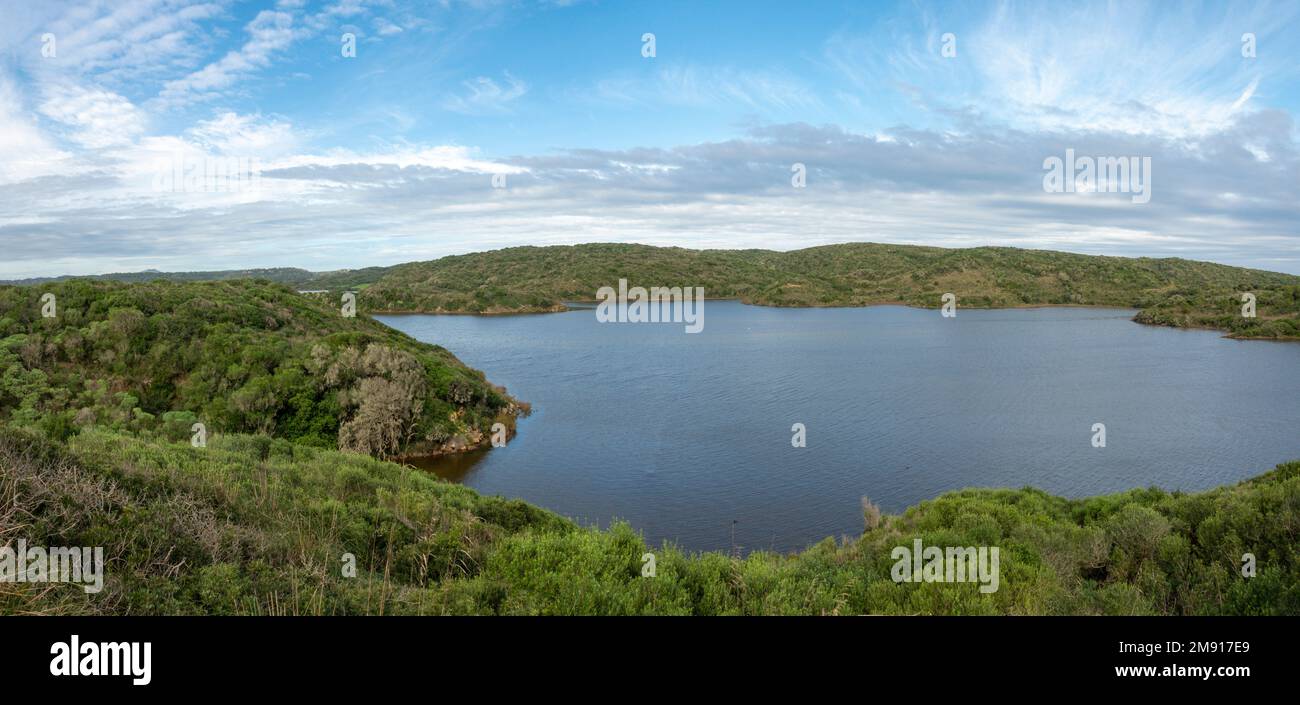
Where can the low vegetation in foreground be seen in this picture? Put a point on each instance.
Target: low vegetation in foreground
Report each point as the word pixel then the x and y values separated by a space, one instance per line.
pixel 255 525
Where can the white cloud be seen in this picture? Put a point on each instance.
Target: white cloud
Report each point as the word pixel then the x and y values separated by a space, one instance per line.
pixel 95 118
pixel 484 95
pixel 233 134
pixel 268 33
pixel 343 208
pixel 448 157
pixel 1111 70
pixel 127 41
pixel 25 152
pixel 386 28
pixel 1161 69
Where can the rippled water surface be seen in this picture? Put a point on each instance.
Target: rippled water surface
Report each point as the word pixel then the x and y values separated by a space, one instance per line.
pixel 682 435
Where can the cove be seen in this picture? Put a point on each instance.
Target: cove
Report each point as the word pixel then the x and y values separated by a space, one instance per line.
pixel 688 437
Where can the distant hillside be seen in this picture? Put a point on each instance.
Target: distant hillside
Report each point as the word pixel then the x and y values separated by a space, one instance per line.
pixel 535 279
pixel 289 276
pixel 1172 292
pixel 237 356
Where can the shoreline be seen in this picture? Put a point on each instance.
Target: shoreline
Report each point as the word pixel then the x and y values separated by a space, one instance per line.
pixel 565 308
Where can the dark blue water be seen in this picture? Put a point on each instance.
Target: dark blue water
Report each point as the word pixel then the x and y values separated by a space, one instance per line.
pixel 683 434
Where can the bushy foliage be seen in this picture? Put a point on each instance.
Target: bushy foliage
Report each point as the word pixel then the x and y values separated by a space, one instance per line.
pixel 535 279
pixel 244 356
pixel 255 525
pixel 289 276
pixel 1171 291
pixel 1277 311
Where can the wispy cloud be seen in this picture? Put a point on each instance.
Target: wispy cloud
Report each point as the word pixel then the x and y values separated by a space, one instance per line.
pixel 708 86
pixel 269 33
pixel 485 95
pixel 386 28
pixel 1147 68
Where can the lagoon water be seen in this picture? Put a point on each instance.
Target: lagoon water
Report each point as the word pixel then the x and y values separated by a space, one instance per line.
pixel 688 437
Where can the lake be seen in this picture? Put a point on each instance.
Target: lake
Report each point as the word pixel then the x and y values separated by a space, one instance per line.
pixel 688 437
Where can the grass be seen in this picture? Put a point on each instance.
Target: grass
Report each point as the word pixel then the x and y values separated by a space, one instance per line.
pixel 254 525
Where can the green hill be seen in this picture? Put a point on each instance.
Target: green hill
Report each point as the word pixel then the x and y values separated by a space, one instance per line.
pixel 236 356
pixel 1172 292
pixel 536 279
pixel 289 276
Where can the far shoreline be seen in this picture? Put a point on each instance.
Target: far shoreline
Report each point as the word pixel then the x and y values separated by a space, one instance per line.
pixel 569 306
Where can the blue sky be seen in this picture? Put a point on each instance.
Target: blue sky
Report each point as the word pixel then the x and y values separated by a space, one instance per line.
pixel 388 156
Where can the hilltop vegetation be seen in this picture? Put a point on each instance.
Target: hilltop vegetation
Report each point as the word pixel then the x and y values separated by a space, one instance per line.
pixel 254 525
pixel 1172 292
pixel 289 276
pixel 236 356
pixel 1277 312
pixel 536 279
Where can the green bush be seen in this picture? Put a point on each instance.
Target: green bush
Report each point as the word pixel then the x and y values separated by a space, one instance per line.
pixel 255 525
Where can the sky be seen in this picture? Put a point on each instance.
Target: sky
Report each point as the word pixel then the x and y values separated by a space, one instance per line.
pixel 353 133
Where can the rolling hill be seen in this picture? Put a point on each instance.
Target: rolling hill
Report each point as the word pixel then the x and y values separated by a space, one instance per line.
pixel 538 279
pixel 1171 292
